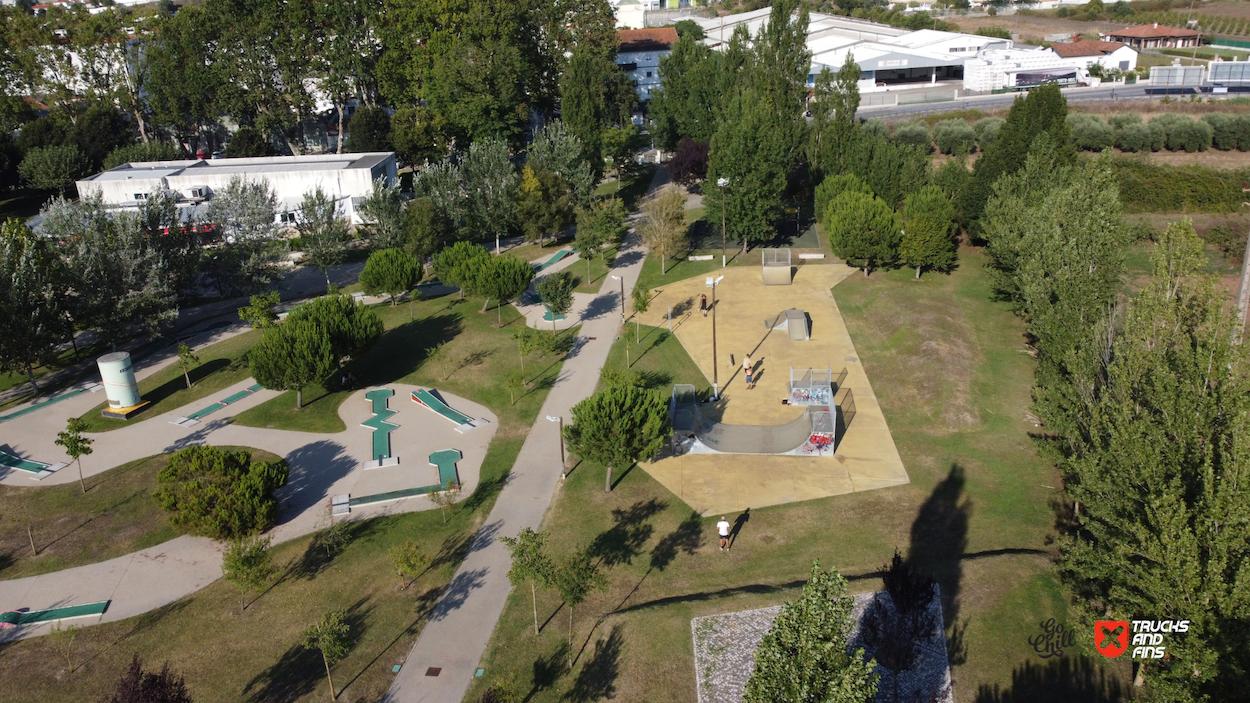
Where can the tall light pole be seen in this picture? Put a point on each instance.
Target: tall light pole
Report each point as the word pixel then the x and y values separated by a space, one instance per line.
pixel 722 182
pixel 622 280
pixel 563 462
pixel 711 282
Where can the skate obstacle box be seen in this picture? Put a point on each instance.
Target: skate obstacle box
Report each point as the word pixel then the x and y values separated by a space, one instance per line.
pixel 776 267
pixel 793 321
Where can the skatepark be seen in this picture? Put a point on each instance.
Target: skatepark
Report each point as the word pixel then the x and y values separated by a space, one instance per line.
pixel 761 430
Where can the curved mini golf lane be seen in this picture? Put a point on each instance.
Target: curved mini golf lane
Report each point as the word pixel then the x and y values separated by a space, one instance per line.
pixel 322 466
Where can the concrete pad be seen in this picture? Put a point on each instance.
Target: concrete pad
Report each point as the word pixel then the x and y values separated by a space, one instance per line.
pixel 866 457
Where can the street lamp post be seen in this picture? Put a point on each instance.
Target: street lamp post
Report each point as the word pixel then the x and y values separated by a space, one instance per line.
pixel 563 462
pixel 715 364
pixel 722 182
pixel 622 280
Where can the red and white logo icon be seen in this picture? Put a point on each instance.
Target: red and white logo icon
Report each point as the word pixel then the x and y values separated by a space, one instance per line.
pixel 1111 637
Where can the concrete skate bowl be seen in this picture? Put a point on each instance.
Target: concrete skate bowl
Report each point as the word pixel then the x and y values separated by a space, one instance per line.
pixel 810 434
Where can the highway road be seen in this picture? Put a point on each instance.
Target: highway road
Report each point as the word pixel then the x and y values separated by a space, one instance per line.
pixel 990 102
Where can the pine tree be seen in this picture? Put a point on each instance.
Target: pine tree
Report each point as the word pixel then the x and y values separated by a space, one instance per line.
pixel 928 231
pixel 390 271
pixel 291 356
pixel 618 427
pixel 804 658
pixel 505 278
pixel 454 265
pixel 863 230
pixel 556 291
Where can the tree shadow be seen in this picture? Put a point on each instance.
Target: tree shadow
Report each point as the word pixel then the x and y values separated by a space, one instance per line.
pixel 655 380
pixel 623 541
pixel 660 338
pixel 686 537
pixel 403 350
pixel 315 468
pixel 601 305
pixel 486 489
pixel 597 679
pixel 320 552
pixel 299 671
pixel 547 670
pixel 1068 679
pixel 456 593
pixel 939 536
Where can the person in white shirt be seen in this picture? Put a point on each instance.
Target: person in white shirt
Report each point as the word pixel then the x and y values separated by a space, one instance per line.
pixel 722 527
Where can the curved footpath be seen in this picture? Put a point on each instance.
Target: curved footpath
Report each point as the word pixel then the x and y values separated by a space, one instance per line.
pixel 461 623
pixel 322 465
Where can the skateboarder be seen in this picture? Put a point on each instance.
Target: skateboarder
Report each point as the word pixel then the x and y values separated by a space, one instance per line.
pixel 703 305
pixel 748 368
pixel 722 528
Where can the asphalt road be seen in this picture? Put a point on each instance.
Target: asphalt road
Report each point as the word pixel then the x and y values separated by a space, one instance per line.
pixel 982 102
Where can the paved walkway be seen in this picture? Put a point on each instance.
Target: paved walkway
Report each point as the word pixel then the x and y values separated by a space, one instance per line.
pixel 461 623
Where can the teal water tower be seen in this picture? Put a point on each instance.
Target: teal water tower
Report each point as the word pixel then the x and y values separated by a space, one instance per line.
pixel 118 375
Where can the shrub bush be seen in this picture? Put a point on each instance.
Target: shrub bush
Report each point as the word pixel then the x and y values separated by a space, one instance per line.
pixel 1156 188
pixel 1223 130
pixel 1123 119
pixel 913 134
pixel 1184 133
pixel 1241 127
pixel 833 186
pixel 954 137
pixel 987 130
pixel 1089 132
pixel 220 493
pixel 874 125
pixel 1133 137
pixel 1231 243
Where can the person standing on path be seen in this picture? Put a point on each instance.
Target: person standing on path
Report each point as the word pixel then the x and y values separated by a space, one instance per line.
pixel 703 305
pixel 722 528
pixel 748 368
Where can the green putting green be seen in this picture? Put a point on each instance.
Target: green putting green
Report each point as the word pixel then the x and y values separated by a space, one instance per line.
pixel 381 428
pixel 15 617
pixel 44 404
pixel 559 256
pixel 432 402
pixel 13 462
pixel 445 460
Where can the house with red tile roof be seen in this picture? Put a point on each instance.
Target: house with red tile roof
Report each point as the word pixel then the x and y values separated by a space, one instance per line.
pixel 1108 54
pixel 638 54
pixel 1153 36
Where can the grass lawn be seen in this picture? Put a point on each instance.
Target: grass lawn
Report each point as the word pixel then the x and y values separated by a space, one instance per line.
pixel 948 367
pixel 63 359
pixel 658 357
pixel 598 268
pixel 631 189
pixel 221 365
pixel 256 654
pixel 114 517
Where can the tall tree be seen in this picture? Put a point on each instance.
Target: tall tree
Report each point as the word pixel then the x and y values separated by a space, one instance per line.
pixel 331 637
pixel 352 327
pixel 32 320
pixel 663 224
pixel 383 211
pixel 244 211
pixel 456 265
pixel 618 427
pixel 928 230
pixel 505 278
pixel 390 271
pixel 595 95
pixel 556 149
pixel 1043 111
pixel 488 175
pixel 291 356
pixel 576 577
pixel 544 204
pixel 187 359
pixel 1157 464
pixel 689 100
pixel 598 227
pixel 556 291
pixel 863 230
pixel 75 445
pixel 804 657
pixel 530 564
pixel 183 77
pixel 418 135
pixel 834 127
pixel 369 129
pixel 323 232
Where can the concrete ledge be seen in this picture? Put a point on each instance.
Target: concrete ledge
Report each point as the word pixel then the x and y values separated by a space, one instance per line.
pixel 811 256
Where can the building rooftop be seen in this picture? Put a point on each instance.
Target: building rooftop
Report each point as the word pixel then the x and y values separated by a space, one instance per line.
pixel 1085 48
pixel 1152 31
pixel 228 167
pixel 654 39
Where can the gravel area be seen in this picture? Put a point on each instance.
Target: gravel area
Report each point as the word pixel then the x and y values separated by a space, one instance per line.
pixel 724 655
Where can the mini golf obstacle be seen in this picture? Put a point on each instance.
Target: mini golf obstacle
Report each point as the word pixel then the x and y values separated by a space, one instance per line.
pixel 557 258
pixel 117 373
pixel 776 267
pixel 811 434
pixel 37 469
pixel 431 400
pixel 194 418
pixel 443 460
pixel 794 322
pixel 381 428
pixel 17 618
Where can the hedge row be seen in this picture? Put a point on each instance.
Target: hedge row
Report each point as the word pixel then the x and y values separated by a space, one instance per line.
pixel 1159 188
pixel 1171 131
pixel 953 136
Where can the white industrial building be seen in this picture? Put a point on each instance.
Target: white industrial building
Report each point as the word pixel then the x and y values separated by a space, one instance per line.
pixel 1011 68
pixel 348 178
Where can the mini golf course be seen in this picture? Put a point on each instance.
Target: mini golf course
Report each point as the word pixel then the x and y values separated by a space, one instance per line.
pixel 381 428
pixel 195 417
